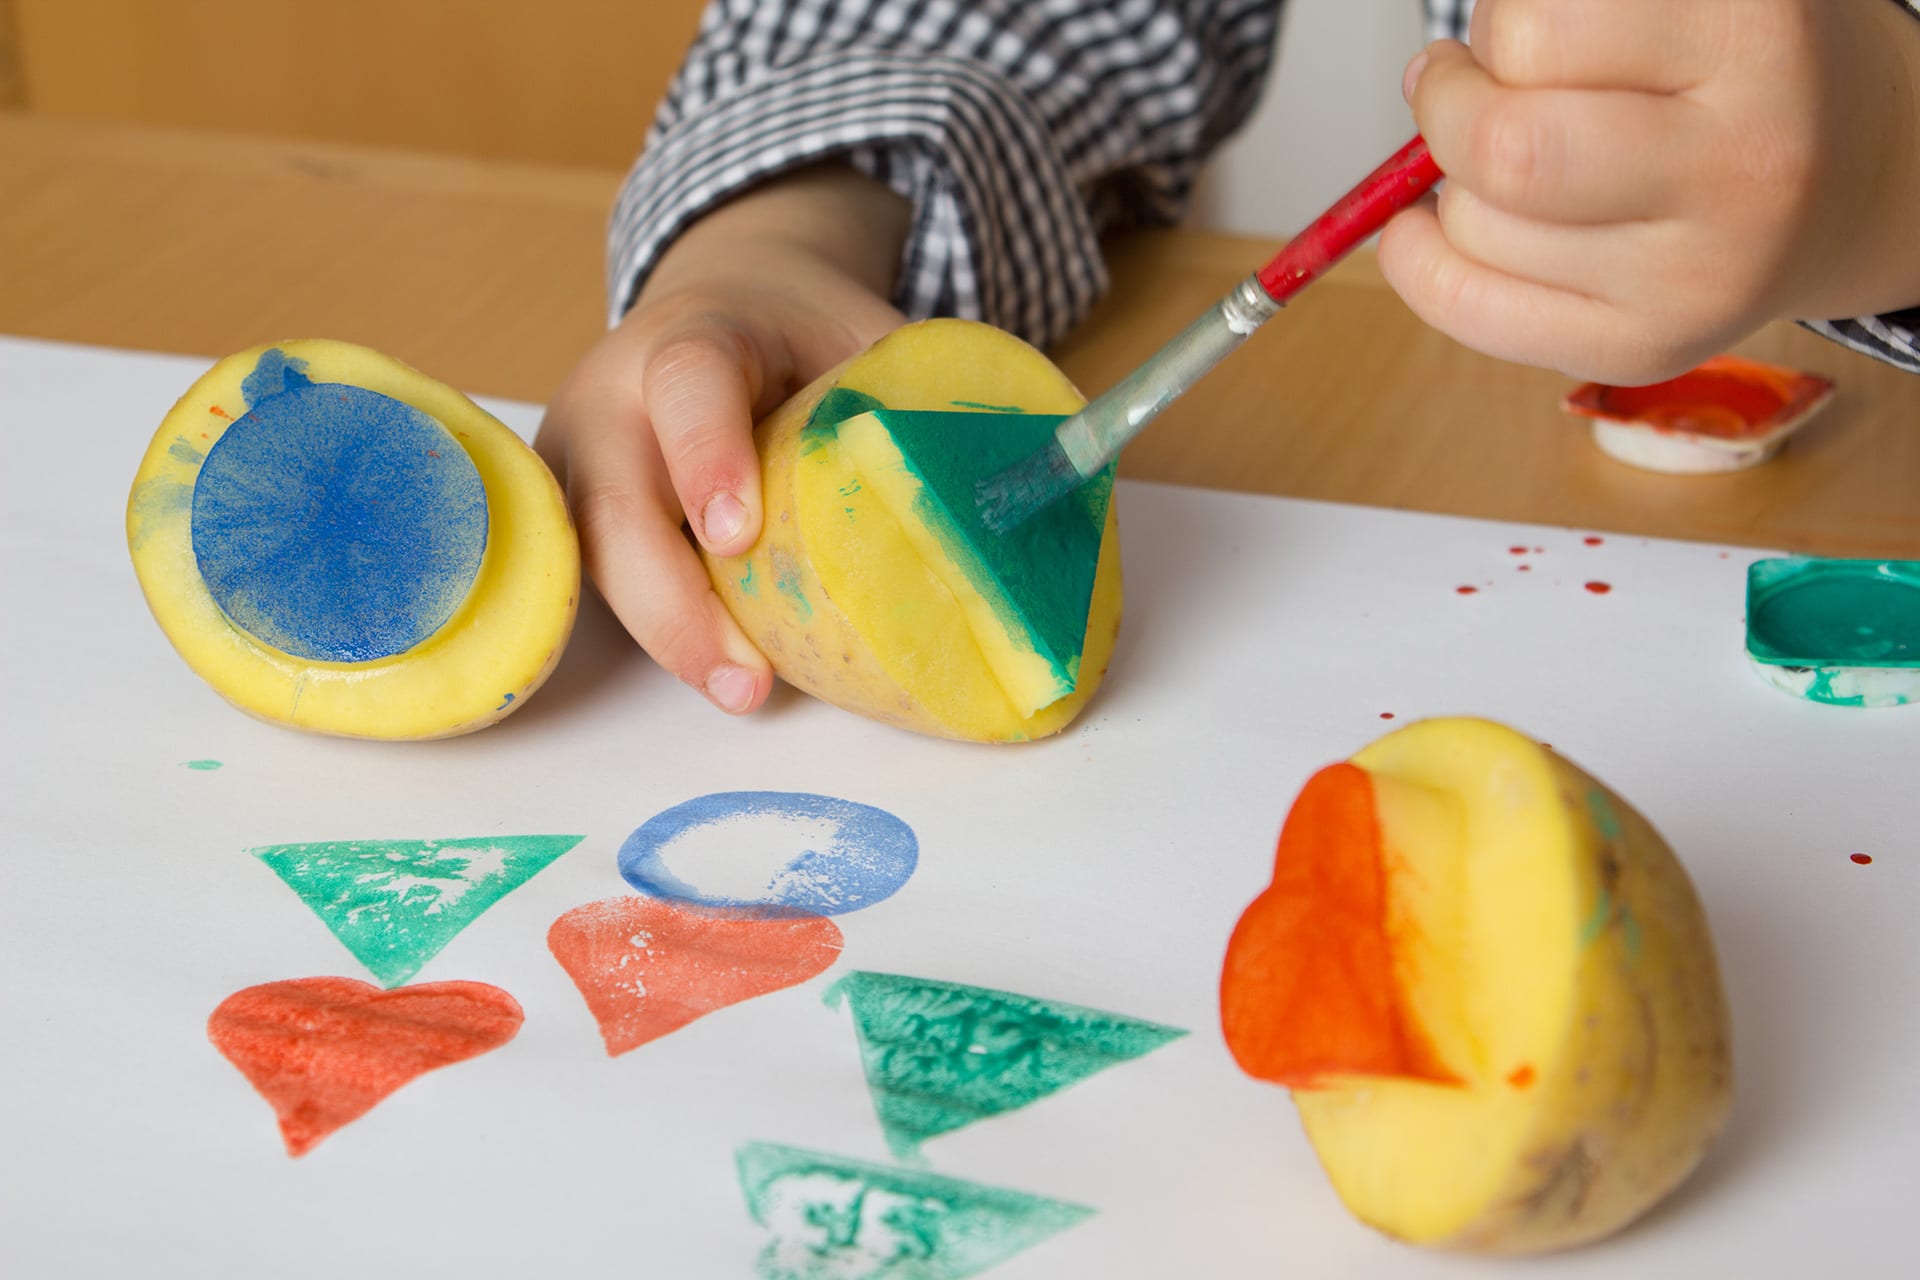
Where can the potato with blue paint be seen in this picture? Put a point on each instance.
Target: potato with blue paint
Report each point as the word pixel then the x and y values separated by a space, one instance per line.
pixel 337 542
pixel 872 585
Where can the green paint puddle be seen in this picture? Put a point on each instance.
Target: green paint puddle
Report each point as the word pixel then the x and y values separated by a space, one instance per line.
pixel 939 1055
pixel 396 903
pixel 1836 613
pixel 204 766
pixel 832 1218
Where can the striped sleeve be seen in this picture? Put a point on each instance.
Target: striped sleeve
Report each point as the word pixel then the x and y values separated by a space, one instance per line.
pixel 1021 130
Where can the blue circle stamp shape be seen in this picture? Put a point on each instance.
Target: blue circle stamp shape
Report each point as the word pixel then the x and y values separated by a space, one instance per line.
pixel 337 524
pixel 771 853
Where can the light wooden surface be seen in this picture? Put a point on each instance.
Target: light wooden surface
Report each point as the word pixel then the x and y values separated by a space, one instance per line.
pixel 488 275
pixel 564 81
pixel 12 91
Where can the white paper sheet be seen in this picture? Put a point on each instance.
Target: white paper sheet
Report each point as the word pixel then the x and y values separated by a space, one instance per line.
pixel 1263 638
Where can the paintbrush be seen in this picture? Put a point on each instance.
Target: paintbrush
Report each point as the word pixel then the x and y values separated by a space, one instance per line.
pixel 1087 442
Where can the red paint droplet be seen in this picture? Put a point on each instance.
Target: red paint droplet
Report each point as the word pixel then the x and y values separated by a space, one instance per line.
pixel 1516 551
pixel 1386 715
pixel 433 453
pixel 1467 591
pixel 218 412
pixel 1522 1076
pixel 1599 588
pixel 1593 540
pixel 1863 858
pixel 1539 551
pixel 1526 568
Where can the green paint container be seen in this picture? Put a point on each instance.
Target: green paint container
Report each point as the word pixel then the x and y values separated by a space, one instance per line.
pixel 1842 632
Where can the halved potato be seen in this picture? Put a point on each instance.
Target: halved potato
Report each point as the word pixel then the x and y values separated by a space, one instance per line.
pixel 337 542
pixel 868 591
pixel 1491 988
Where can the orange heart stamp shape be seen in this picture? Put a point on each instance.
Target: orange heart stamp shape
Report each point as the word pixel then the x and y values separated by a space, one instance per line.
pixel 647 967
pixel 324 1051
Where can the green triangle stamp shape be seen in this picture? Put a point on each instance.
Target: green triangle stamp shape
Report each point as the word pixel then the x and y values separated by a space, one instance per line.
pixel 940 1055
pixel 1036 580
pixel 831 1218
pixel 396 903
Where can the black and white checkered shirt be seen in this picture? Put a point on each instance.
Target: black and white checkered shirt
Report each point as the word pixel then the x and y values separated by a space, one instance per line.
pixel 1021 130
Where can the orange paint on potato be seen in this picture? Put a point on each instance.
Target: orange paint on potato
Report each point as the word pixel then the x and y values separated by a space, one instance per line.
pixel 1308 987
pixel 1522 1076
pixel 324 1051
pixel 218 412
pixel 647 967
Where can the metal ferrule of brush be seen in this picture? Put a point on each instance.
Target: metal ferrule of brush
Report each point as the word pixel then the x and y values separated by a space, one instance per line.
pixel 1094 437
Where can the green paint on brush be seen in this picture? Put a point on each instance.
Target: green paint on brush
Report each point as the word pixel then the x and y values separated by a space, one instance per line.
pixel 1038 576
pixel 203 766
pixel 396 903
pixel 831 1218
pixel 939 1055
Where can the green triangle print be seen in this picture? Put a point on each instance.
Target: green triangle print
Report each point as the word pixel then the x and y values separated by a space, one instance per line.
pixel 396 903
pixel 832 1218
pixel 939 1055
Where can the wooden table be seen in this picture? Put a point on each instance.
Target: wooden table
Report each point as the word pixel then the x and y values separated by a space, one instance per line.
pixel 488 275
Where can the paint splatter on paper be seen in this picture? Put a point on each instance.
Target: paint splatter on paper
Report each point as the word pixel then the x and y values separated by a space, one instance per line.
pixel 203 766
pixel 774 852
pixel 396 903
pixel 831 1218
pixel 647 968
pixel 940 1055
pixel 325 1051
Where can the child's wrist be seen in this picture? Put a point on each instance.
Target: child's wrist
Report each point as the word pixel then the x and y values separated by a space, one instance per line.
pixel 829 211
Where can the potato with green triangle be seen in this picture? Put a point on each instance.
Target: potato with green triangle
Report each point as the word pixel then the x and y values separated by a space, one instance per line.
pixel 875 586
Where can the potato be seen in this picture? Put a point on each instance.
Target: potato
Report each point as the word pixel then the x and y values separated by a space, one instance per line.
pixel 337 542
pixel 1491 989
pixel 871 586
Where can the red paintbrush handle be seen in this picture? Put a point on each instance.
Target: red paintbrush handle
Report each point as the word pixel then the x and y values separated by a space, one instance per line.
pixel 1362 211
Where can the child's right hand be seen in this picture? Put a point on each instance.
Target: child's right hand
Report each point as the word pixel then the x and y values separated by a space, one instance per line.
pixel 655 424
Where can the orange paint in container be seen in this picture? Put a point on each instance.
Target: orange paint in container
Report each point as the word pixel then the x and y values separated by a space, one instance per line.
pixel 1727 414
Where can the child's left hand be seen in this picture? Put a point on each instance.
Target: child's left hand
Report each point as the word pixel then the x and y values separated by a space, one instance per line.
pixel 1634 185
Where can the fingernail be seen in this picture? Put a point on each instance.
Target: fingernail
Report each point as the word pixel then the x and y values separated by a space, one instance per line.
pixel 730 688
pixel 1411 76
pixel 722 519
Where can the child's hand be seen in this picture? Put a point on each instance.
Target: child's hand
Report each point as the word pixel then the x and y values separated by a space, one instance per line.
pixel 655 425
pixel 1633 185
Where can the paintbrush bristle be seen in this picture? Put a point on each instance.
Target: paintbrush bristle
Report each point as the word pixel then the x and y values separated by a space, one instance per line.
pixel 1012 496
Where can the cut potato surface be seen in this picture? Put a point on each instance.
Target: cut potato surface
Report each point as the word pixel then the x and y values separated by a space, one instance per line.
pixel 336 542
pixel 1491 988
pixel 872 586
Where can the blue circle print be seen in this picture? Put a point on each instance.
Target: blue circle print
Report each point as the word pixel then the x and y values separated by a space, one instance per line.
pixel 773 852
pixel 337 524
